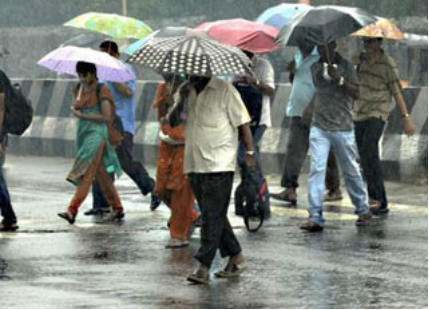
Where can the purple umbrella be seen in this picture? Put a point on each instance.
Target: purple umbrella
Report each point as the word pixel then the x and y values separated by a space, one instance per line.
pixel 64 60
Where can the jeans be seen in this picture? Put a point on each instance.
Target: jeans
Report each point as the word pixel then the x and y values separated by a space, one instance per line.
pixel 368 134
pixel 257 134
pixel 296 152
pixel 344 147
pixel 7 212
pixel 213 192
pixel 133 168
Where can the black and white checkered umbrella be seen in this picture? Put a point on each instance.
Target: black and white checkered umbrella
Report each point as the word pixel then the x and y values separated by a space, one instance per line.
pixel 191 55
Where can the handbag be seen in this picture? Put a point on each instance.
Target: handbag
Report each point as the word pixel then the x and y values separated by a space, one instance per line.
pixel 115 130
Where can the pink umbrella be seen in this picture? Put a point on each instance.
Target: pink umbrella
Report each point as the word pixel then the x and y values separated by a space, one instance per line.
pixel 247 35
pixel 64 60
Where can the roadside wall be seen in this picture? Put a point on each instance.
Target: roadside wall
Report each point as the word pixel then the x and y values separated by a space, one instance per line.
pixel 53 130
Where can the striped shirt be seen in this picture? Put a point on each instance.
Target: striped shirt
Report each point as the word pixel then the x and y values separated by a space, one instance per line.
pixel 379 81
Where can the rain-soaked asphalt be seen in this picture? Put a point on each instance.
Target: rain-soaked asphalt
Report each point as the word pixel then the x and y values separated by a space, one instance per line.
pixel 50 264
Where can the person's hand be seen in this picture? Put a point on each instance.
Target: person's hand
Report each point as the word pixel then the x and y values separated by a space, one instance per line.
pixel 251 80
pixel 250 161
pixel 409 128
pixel 333 73
pixel 76 113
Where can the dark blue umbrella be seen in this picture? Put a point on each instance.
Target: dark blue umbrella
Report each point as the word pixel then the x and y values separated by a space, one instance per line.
pixel 323 24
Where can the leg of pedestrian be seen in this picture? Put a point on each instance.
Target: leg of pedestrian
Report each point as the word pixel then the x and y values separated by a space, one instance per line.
pixel 319 150
pixel 296 152
pixel 368 135
pixel 83 186
pixel 9 221
pixel 213 191
pixel 136 170
pixel 332 180
pixel 344 147
pixel 99 203
pixel 110 193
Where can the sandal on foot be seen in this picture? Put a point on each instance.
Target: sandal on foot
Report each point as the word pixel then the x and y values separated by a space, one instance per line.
pixel 116 215
pixel 199 277
pixel 68 217
pixel 231 270
pixel 176 243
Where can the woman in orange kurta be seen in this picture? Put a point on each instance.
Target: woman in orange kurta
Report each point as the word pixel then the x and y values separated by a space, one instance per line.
pixel 172 185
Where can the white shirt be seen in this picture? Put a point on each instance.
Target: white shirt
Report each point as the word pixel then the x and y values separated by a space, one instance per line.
pixel 214 116
pixel 264 73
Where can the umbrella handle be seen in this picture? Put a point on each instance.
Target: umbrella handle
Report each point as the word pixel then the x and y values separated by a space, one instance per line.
pixel 79 93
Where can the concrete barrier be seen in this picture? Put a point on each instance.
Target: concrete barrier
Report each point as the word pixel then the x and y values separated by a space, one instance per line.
pixel 53 130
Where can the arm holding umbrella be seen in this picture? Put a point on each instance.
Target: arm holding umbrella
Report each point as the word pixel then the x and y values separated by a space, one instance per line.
pixel 327 54
pixel 352 89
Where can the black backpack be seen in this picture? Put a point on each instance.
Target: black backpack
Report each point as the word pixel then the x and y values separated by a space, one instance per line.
pixel 252 199
pixel 252 98
pixel 18 110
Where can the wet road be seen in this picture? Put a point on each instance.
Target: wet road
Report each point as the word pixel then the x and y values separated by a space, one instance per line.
pixel 51 264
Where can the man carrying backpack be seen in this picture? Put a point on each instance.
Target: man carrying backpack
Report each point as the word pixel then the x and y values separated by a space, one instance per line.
pixel 9 222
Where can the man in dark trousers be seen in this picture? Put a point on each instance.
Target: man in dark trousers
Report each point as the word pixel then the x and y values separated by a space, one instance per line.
pixel 9 222
pixel 123 94
pixel 216 117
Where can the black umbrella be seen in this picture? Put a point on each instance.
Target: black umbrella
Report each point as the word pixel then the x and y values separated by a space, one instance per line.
pixel 323 24
pixel 191 55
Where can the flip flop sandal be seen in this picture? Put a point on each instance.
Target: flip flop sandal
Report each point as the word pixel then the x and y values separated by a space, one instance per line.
pixel 196 279
pixel 176 243
pixel 69 218
pixel 231 272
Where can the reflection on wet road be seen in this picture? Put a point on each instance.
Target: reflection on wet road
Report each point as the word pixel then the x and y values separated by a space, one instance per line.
pixel 52 264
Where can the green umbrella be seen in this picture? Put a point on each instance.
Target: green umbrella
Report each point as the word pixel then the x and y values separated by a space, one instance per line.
pixel 113 25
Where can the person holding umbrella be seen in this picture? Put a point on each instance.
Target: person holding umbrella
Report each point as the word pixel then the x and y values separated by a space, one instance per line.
pixel 123 95
pixel 172 184
pixel 216 116
pixel 95 156
pixel 299 110
pixel 336 85
pixel 379 82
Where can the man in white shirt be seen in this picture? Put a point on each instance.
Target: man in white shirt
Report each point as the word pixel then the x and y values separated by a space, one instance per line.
pixel 216 116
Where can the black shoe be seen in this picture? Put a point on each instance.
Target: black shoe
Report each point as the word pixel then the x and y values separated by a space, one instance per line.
pixel 154 202
pixel 311 227
pixel 377 209
pixel 364 219
pixel 97 211
pixel 4 226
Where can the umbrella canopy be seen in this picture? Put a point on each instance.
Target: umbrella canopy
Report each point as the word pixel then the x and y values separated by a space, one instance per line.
pixel 382 28
pixel 113 25
pixel 191 55
pixel 322 24
pixel 282 14
pixel 162 33
pixel 64 60
pixel 244 34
